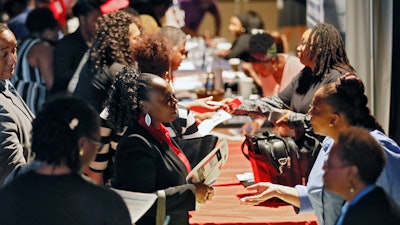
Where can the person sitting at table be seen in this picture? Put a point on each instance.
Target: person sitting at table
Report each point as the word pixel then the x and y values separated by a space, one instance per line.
pixel 147 159
pixel 321 67
pixel 240 27
pixel 274 72
pixel 336 106
pixel 354 164
pixel 65 138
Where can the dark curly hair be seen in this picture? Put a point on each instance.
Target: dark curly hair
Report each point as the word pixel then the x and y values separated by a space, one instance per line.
pixel 347 96
pixel 152 54
pixel 123 103
pixel 111 41
pixel 58 127
pixel 326 47
pixel 260 43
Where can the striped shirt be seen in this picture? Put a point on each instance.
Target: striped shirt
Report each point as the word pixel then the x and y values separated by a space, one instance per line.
pixel 28 81
pixel 184 127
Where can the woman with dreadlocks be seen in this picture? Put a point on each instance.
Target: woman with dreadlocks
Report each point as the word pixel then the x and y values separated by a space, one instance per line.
pixel 322 52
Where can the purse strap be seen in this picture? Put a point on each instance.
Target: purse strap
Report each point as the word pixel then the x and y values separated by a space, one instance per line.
pixel 161 211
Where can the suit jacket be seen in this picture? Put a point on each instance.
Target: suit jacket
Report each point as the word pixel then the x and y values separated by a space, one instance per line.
pixel 15 132
pixel 375 207
pixel 143 168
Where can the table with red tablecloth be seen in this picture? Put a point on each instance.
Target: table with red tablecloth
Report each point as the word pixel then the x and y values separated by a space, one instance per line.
pixel 225 207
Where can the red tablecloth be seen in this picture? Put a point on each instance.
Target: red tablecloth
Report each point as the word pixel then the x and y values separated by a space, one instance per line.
pixel 225 207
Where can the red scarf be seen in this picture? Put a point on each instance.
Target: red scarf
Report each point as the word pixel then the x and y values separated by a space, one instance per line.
pixel 162 135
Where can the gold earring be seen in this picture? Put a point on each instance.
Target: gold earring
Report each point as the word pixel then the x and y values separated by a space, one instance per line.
pixel 351 187
pixel 81 152
pixel 331 124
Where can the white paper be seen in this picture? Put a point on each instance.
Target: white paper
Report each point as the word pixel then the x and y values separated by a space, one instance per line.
pixel 208 169
pixel 138 203
pixel 247 176
pixel 207 125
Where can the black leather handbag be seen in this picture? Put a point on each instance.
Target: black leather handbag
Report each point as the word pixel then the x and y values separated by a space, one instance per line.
pixel 280 160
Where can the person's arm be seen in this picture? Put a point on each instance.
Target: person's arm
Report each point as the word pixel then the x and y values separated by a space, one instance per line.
pixel 267 190
pixel 240 47
pixel 43 59
pixel 188 123
pixel 305 203
pixel 200 105
pixel 11 149
pixel 109 138
pixel 249 71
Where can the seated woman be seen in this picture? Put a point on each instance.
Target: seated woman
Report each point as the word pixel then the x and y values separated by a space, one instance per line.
pixel 335 107
pixel 355 162
pixel 147 159
pixel 240 27
pixel 65 139
pixel 270 70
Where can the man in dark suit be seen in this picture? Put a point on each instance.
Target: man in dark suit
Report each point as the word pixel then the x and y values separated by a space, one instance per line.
pixel 15 117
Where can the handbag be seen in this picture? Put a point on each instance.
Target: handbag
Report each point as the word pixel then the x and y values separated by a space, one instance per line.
pixel 280 160
pixel 196 149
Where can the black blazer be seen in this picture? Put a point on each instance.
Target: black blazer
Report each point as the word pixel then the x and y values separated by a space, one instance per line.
pixel 141 168
pixel 375 208
pixel 15 132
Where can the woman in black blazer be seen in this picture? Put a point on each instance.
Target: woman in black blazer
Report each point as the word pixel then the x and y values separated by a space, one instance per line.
pixel 354 164
pixel 147 159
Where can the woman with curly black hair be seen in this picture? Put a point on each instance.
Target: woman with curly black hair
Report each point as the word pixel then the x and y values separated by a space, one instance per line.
pixel 147 159
pixel 115 34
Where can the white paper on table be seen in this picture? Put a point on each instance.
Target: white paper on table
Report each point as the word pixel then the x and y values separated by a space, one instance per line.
pixel 207 125
pixel 209 168
pixel 138 203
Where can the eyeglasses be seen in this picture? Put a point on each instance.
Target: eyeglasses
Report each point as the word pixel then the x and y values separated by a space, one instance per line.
pixel 98 144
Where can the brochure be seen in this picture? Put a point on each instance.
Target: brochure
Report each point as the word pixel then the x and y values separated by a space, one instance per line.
pixel 138 203
pixel 209 168
pixel 207 125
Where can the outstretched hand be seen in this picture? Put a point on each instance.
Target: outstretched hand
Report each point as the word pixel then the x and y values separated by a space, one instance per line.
pixel 200 105
pixel 284 120
pixel 264 191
